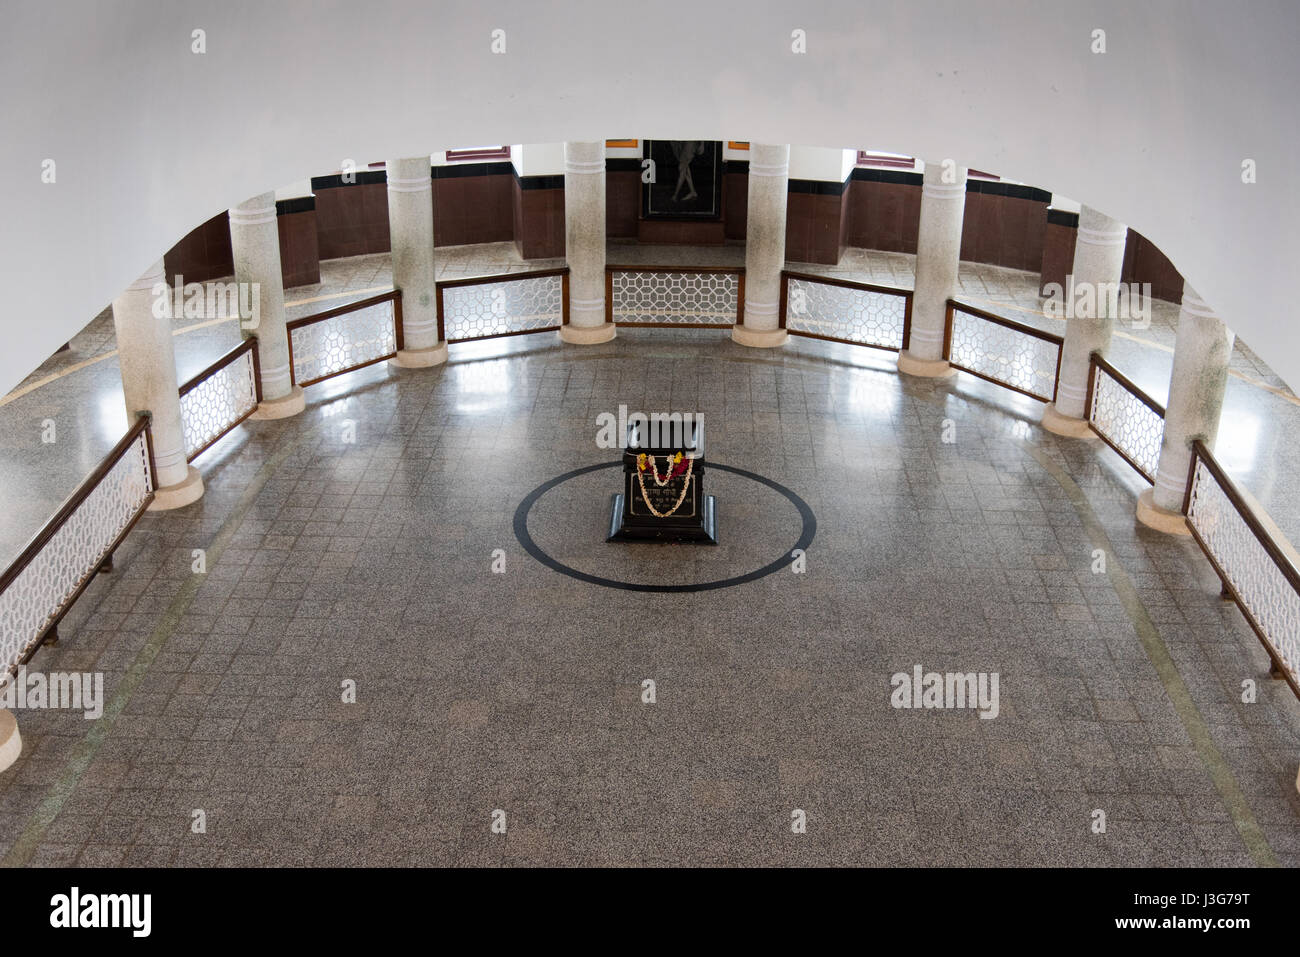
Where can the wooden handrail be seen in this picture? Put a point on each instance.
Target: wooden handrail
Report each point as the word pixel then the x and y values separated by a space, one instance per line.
pixel 734 270
pixel 1283 561
pixel 194 381
pixel 503 277
pixel 1098 360
pixel 956 304
pixel 73 501
pixel 360 304
pixel 846 283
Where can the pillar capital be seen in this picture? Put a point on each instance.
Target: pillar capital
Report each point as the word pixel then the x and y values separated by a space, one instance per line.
pixel 769 159
pixel 1098 229
pixel 412 175
pixel 584 157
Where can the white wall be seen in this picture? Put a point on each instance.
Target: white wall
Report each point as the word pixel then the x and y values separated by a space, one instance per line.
pixel 151 139
pixel 1064 204
pixel 538 159
pixel 821 164
pixel 294 190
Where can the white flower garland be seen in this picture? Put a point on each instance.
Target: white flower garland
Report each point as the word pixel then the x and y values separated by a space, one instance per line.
pixel 640 477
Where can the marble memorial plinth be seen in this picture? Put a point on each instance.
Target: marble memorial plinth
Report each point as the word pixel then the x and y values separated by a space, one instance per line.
pixel 663 497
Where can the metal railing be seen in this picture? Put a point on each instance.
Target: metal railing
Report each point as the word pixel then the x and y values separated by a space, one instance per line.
pixel 1126 418
pixel 220 397
pixel 840 310
pixel 1257 566
pixel 507 304
pixel 677 297
pixel 345 339
pixel 52 571
pixel 1012 354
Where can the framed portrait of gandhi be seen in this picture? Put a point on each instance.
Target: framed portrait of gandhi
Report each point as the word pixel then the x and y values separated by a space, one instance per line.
pixel 687 181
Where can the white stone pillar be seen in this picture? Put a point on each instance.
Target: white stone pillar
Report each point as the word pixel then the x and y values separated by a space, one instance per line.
pixel 938 258
pixel 1202 351
pixel 769 186
pixel 1098 268
pixel 410 227
pixel 584 243
pixel 11 743
pixel 255 246
pixel 147 359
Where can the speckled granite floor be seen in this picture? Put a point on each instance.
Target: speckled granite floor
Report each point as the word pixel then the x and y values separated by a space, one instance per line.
pixel 522 691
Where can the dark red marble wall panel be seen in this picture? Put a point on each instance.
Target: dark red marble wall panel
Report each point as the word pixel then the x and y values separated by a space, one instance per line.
pixel 1143 262
pixel 622 203
pixel 203 254
pixel 299 250
pixel 539 221
pixel 1059 233
pixel 352 220
pixel 1004 225
pixel 883 215
pixel 472 209
pixel 813 224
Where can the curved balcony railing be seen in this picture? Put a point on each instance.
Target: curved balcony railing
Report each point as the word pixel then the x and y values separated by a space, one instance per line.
pixel 220 397
pixel 1257 565
pixel 1000 350
pixel 841 310
pixel 1126 418
pixel 345 339
pixel 676 297
pixel 42 583
pixel 508 304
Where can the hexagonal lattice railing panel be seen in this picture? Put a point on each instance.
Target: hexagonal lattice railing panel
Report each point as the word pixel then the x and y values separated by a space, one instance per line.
pixel 862 316
pixel 1127 423
pixel 1266 593
pixel 340 343
pixel 675 298
pixel 503 306
pixel 37 595
pixel 1009 355
pixel 218 403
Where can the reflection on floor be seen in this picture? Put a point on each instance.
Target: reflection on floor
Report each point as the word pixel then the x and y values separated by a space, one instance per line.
pixel 80 389
pixel 330 562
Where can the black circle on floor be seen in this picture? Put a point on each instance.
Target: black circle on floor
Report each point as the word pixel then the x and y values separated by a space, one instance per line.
pixel 782 561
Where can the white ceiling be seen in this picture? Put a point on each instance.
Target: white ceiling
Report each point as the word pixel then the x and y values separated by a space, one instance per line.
pixel 151 139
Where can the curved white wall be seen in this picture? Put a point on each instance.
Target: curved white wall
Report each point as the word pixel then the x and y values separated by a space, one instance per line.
pixel 151 139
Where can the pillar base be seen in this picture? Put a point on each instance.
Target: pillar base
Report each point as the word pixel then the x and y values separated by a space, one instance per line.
pixel 758 338
pixel 909 364
pixel 283 407
pixel 1161 519
pixel 420 358
pixel 11 744
pixel 588 335
pixel 180 494
pixel 1066 425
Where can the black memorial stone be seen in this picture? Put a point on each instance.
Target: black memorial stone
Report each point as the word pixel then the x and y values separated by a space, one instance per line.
pixel 663 496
